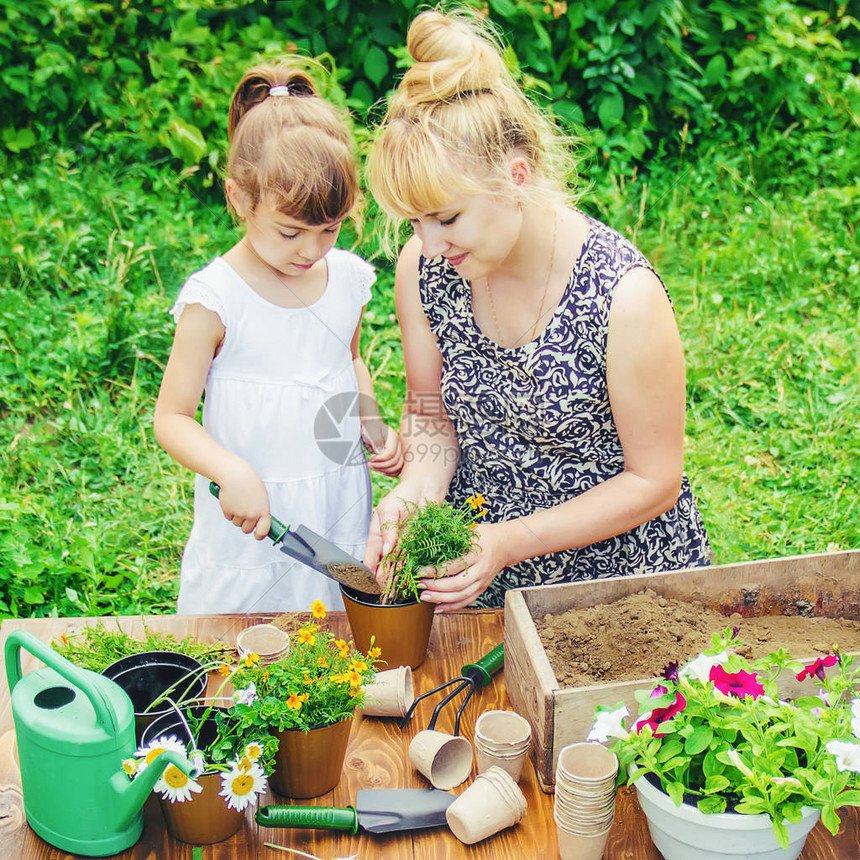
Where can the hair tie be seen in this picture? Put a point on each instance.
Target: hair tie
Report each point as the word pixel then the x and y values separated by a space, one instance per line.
pixel 280 90
pixel 464 94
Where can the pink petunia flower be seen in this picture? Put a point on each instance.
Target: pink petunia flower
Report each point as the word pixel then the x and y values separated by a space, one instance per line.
pixel 660 715
pixel 817 668
pixel 738 684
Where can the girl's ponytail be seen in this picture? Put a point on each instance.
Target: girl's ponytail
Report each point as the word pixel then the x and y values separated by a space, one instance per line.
pixel 291 147
pixel 256 85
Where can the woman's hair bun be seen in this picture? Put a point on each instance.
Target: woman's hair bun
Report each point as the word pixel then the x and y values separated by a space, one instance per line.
pixel 453 55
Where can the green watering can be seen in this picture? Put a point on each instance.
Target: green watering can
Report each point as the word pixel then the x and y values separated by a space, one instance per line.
pixel 74 729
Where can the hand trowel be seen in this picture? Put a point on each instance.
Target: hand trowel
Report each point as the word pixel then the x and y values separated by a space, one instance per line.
pixel 315 551
pixel 376 810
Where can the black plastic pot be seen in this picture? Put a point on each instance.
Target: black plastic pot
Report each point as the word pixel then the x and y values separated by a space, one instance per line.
pixel 145 677
pixel 171 725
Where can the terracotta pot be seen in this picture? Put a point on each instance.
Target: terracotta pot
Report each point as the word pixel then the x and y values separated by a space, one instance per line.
pixel 309 763
pixel 205 818
pixel 400 630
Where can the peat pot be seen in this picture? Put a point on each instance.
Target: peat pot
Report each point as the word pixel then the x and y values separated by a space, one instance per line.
pixel 400 630
pixel 684 833
pixel 206 817
pixel 309 763
pixel 145 677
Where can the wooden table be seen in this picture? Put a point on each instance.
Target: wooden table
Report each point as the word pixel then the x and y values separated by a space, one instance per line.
pixel 376 758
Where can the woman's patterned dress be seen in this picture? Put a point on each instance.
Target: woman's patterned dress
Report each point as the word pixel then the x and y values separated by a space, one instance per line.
pixel 534 423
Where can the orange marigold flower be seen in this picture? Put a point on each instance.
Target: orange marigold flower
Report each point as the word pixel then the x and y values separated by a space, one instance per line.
pixel 375 653
pixel 322 662
pixel 306 636
pixel 65 640
pixel 295 702
pixel 307 680
pixel 358 666
pixel 223 669
pixel 355 691
pixel 476 501
pixel 340 677
pixel 354 678
pixel 251 658
pixel 318 609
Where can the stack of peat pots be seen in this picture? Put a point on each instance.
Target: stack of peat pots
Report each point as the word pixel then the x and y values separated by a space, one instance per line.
pixel 266 640
pixel 502 739
pixel 584 800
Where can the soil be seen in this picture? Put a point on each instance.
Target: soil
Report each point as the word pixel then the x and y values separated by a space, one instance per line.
pixel 637 636
pixel 355 576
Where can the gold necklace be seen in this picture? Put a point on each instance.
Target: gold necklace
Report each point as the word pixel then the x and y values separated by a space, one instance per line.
pixel 542 298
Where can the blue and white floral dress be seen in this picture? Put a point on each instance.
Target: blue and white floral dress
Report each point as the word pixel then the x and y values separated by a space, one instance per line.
pixel 534 423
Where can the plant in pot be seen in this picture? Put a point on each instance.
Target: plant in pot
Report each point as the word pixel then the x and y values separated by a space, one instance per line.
pixel 231 763
pixel 306 700
pixel 431 535
pixel 724 767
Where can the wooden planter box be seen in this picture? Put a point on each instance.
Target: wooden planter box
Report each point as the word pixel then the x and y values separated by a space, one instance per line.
pixel 825 585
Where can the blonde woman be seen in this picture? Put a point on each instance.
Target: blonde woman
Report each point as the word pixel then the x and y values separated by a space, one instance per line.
pixel 544 368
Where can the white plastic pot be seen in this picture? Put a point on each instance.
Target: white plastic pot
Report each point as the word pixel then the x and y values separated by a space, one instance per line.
pixel 684 833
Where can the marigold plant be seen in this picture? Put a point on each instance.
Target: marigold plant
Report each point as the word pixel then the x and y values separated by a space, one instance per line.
pixel 320 681
pixel 429 536
pixel 717 734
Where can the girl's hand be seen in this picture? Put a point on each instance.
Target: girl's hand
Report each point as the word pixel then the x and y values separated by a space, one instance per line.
pixel 388 460
pixel 245 502
pixel 465 579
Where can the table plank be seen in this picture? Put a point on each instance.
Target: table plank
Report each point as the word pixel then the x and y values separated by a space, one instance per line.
pixel 376 758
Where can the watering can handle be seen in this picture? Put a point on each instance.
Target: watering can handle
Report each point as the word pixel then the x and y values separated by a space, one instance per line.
pixel 19 639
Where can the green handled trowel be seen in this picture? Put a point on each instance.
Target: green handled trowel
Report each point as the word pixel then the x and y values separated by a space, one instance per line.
pixel 315 551
pixel 376 810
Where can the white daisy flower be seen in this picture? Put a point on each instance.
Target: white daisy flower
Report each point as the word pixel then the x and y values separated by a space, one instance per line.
pixel 129 765
pixel 174 785
pixel 151 751
pixel 253 751
pixel 241 786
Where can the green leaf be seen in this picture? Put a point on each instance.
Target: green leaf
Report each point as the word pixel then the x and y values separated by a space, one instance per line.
pixel 34 595
pixel 375 64
pixel 505 8
pixel 712 805
pixel 610 111
pixel 699 741
pixel 715 71
pixel 18 139
pixel 184 140
pixel 675 790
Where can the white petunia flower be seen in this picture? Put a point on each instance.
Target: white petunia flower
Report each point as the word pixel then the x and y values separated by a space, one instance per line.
pixel 608 724
pixel 175 786
pixel 240 786
pixel 699 668
pixel 847 755
pixel 248 695
pixel 855 717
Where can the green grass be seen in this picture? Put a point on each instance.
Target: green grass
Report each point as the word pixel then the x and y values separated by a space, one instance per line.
pixel 758 246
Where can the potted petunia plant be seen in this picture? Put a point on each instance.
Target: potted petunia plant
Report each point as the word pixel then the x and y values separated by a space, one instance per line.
pixel 307 701
pixel 714 746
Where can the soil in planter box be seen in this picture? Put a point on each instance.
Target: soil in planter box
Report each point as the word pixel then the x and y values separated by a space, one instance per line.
pixel 637 636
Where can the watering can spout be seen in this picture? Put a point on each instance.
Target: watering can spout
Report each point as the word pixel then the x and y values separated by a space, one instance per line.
pixel 130 796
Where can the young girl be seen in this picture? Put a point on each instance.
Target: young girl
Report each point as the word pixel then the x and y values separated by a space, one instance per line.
pixel 271 330
pixel 543 364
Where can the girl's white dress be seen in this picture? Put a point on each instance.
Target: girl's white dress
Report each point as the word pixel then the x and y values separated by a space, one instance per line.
pixel 282 393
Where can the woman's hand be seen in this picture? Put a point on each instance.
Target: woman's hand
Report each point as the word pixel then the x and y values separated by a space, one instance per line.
pixel 382 537
pixel 465 579
pixel 245 501
pixel 389 459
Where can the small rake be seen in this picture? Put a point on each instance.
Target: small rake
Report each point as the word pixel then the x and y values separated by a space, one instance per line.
pixel 472 676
